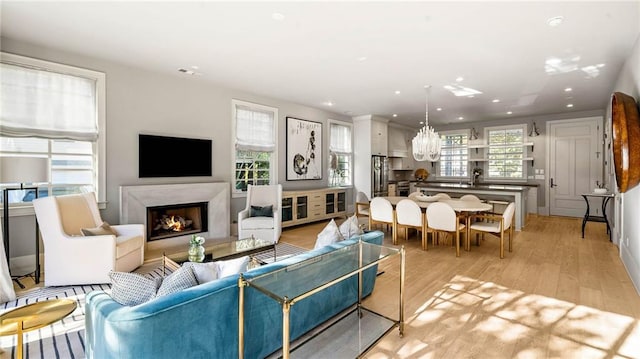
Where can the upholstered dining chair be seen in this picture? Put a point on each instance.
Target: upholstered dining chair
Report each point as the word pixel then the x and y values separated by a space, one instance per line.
pixel 362 205
pixel 261 216
pixel 442 196
pixel 470 197
pixel 442 218
pixel 496 225
pixel 381 212
pixel 409 215
pixel 79 247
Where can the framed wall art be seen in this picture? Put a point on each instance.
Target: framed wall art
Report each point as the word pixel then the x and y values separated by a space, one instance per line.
pixel 304 149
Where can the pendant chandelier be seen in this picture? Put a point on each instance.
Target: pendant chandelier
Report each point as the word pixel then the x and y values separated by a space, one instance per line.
pixel 426 144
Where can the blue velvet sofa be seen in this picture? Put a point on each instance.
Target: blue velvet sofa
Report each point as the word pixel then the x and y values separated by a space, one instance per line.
pixel 202 321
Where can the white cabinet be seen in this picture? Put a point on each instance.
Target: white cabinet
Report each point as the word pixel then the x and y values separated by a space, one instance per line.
pixel 379 138
pixel 532 200
pixel 391 188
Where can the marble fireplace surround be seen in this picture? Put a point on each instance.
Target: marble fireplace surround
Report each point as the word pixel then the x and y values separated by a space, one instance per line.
pixel 134 201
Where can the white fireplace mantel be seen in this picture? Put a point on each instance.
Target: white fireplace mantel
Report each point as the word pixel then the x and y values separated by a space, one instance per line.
pixel 134 201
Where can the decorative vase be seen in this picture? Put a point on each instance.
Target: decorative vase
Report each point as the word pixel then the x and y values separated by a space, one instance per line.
pixel 196 250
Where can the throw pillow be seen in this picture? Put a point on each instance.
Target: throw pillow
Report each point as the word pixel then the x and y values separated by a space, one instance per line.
pixel 350 227
pixel 101 230
pixel 182 278
pixel 232 266
pixel 132 288
pixel 257 211
pixel 330 234
pixel 204 272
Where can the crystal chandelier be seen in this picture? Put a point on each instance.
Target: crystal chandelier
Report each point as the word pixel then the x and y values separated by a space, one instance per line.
pixel 426 144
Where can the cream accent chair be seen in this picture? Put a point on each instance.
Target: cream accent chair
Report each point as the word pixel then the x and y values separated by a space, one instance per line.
pixel 267 228
pixel 470 197
pixel 409 215
pixel 442 218
pixel 498 226
pixel 362 205
pixel 381 212
pixel 71 258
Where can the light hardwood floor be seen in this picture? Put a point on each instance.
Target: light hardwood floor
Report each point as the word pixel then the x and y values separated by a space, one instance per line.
pixel 555 296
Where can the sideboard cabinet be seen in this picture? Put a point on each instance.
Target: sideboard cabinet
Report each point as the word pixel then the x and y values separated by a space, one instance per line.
pixel 305 206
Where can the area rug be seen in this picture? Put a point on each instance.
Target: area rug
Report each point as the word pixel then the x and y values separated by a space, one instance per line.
pixel 65 338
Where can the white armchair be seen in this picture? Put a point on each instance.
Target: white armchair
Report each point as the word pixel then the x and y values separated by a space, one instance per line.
pixel 261 226
pixel 71 258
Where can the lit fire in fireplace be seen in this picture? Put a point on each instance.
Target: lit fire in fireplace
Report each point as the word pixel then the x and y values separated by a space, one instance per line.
pixel 174 223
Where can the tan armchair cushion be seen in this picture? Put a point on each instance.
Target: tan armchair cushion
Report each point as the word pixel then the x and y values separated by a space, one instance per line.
pixel 75 214
pixel 101 230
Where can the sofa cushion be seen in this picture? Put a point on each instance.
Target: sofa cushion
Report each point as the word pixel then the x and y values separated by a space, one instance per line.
pixel 204 272
pixel 132 288
pixel 128 244
pixel 182 278
pixel 350 227
pixel 258 211
pixel 232 266
pixel 329 235
pixel 257 223
pixel 101 230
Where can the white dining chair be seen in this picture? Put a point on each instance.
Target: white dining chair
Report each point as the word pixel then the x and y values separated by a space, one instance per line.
pixel 381 212
pixel 496 225
pixel 409 215
pixel 442 196
pixel 362 205
pixel 470 197
pixel 442 218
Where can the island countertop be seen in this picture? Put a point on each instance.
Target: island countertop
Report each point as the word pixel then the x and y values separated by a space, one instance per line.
pixel 480 187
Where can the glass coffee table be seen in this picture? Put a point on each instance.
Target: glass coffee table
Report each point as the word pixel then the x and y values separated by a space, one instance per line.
pixel 222 251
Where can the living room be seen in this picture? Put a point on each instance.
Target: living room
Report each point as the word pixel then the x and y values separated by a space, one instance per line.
pixel 140 99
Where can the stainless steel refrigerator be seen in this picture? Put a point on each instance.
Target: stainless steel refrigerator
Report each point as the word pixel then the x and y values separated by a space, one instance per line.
pixel 379 176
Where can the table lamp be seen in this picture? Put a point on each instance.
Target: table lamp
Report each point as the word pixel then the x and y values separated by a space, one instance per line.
pixel 22 170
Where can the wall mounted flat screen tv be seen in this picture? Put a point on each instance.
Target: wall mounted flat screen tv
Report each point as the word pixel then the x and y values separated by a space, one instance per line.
pixel 163 156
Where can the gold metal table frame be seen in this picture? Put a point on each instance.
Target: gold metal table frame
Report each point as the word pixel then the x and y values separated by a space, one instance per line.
pixel 287 301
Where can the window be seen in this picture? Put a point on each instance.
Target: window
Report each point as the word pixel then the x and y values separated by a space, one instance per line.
pixel 506 152
pixel 454 156
pixel 255 155
pixel 340 153
pixel 54 111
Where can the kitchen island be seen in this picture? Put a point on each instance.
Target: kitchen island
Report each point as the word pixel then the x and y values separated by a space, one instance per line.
pixel 488 192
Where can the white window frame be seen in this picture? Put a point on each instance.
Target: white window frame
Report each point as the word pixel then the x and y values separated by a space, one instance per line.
pixel 273 166
pixel 522 127
pixel 348 154
pixel 99 146
pixel 463 133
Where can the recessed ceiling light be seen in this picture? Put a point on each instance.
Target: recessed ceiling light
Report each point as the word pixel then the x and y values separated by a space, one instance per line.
pixel 439 109
pixel 569 105
pixel 328 103
pixel 495 100
pixel 470 96
pixel 460 118
pixel 195 67
pixel 422 122
pixel 277 16
pixel 362 58
pixel 555 21
pixel 459 79
pixel 568 89
pixel 395 115
pixel 397 92
pixel 509 112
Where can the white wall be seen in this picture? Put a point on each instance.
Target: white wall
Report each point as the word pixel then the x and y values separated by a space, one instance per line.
pixel 629 83
pixel 165 103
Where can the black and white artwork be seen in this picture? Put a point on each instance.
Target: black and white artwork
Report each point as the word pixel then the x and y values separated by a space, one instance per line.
pixel 304 149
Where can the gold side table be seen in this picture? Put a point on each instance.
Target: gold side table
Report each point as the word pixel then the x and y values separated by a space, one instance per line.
pixel 34 316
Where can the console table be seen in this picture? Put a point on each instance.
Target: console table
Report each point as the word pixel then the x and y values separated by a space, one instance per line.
pixel 606 197
pixel 363 328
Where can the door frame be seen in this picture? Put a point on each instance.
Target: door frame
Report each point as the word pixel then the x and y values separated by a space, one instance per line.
pixel 599 144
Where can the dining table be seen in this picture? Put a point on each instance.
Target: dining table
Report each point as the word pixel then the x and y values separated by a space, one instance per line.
pixel 463 207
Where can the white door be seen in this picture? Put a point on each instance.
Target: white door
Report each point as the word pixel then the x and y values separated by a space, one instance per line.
pixel 574 160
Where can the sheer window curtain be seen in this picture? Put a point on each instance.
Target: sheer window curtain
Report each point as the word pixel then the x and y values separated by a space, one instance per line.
pixel 340 139
pixel 254 130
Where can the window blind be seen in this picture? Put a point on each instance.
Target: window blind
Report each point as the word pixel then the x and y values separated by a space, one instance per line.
pixel 254 130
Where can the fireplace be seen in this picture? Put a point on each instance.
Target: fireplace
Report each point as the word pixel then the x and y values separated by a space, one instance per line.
pixel 134 201
pixel 176 220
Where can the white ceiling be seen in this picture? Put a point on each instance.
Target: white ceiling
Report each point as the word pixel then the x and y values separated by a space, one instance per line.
pixel 317 52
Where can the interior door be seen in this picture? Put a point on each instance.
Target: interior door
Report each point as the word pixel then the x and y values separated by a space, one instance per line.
pixel 574 159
